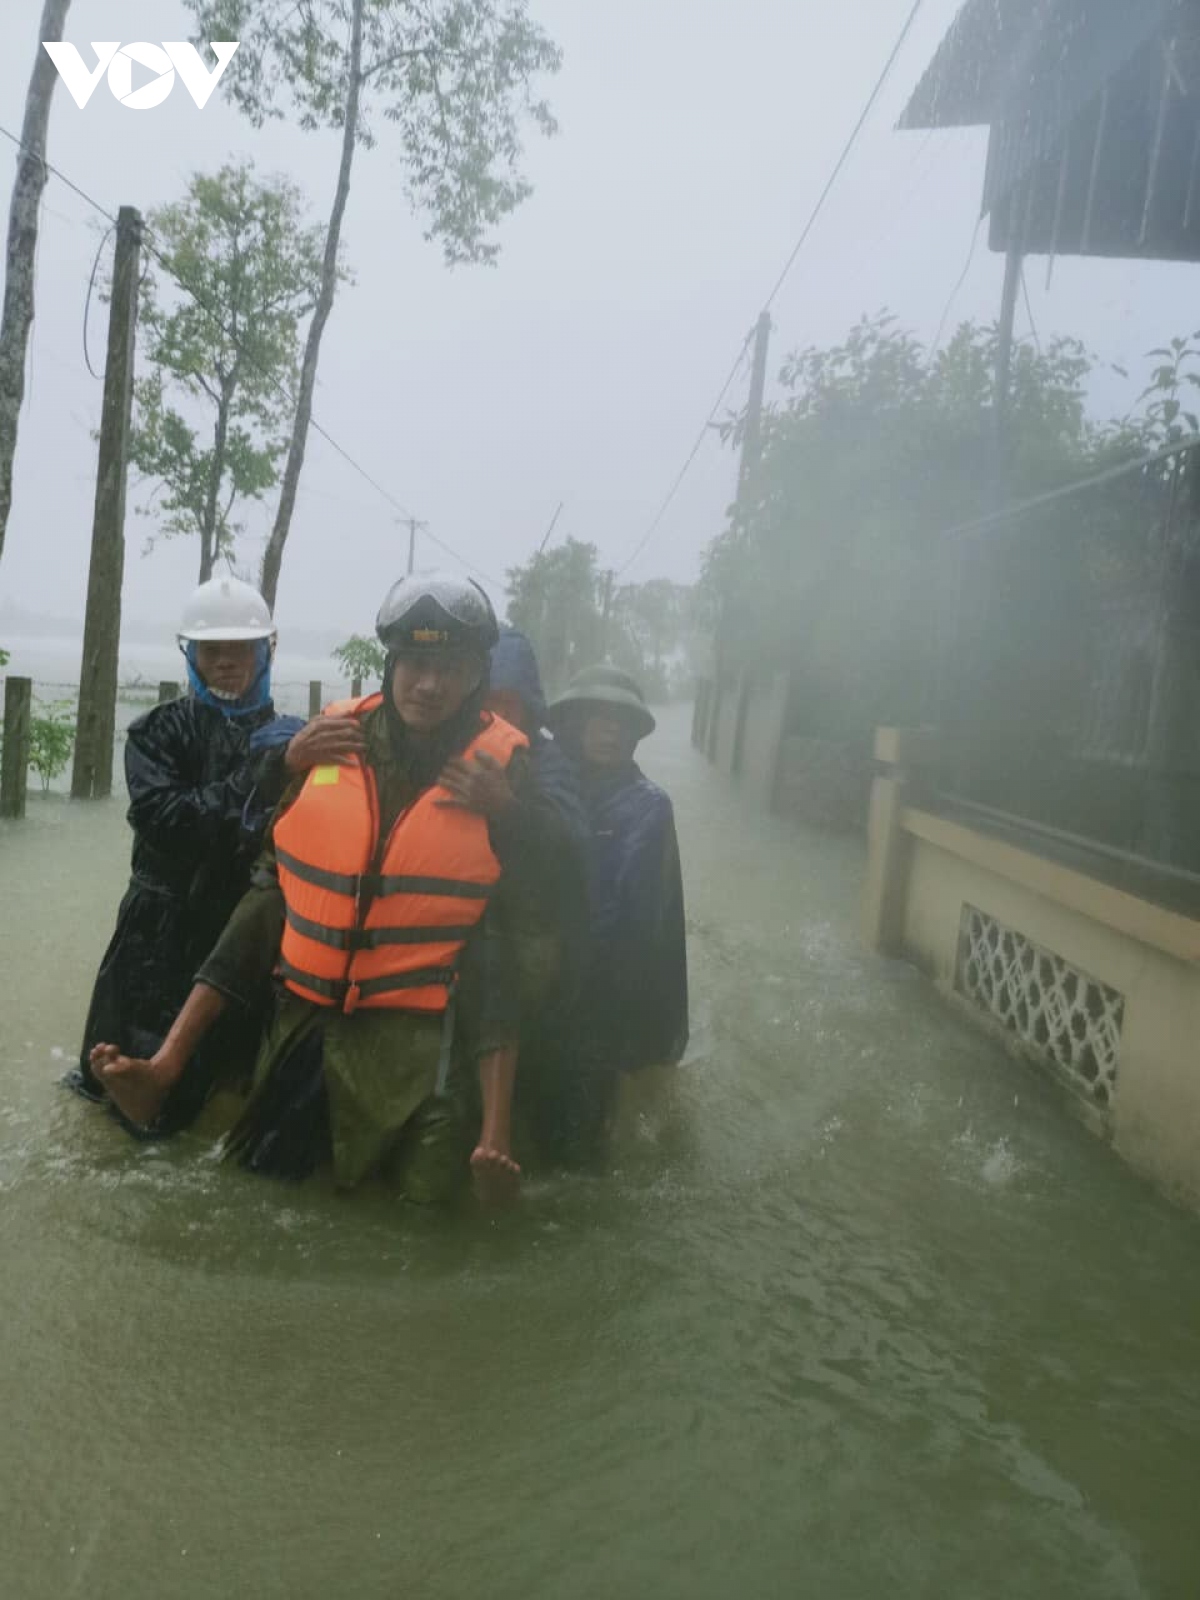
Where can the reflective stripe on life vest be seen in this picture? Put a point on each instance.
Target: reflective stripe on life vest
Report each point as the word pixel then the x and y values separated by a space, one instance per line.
pixel 382 926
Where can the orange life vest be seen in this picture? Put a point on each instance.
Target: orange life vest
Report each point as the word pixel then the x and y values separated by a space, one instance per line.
pixel 373 922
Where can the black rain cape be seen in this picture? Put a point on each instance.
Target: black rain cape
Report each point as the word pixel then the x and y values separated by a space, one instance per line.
pixel 199 799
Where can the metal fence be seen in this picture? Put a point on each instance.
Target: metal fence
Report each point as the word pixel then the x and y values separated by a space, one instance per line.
pixel 1068 681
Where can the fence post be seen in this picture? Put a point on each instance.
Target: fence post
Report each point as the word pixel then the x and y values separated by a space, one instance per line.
pixel 14 764
pixel 902 754
pixel 167 691
pixel 314 697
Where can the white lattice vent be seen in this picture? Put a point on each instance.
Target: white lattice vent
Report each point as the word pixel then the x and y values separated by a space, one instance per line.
pixel 1066 1016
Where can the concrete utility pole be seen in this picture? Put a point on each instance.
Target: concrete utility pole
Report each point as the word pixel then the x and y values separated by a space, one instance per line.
pixel 752 438
pixel 551 528
pixel 751 455
pixel 609 576
pixel 997 465
pixel 91 777
pixel 413 527
pixel 968 689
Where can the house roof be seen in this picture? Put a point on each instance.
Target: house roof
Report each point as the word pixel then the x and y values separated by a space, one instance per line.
pixel 1093 108
pixel 998 54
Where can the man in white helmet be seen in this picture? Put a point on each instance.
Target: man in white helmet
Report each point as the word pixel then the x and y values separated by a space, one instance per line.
pixel 203 774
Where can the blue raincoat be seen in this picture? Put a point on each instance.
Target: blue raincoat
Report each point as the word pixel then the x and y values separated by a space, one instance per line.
pixel 635 997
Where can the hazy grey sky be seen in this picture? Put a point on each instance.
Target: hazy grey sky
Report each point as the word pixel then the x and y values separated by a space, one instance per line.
pixel 695 137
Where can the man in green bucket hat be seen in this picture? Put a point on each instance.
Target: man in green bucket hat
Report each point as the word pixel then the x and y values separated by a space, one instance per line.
pixel 633 1012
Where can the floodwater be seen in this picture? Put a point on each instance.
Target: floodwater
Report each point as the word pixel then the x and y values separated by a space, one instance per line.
pixel 858 1313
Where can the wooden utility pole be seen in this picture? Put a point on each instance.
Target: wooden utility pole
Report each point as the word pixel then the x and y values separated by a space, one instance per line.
pixel 751 455
pixel 91 777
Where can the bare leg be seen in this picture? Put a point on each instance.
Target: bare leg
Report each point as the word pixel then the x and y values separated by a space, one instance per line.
pixel 138 1088
pixel 496 1175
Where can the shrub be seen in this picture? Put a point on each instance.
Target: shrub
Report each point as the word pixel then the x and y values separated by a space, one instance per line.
pixel 51 739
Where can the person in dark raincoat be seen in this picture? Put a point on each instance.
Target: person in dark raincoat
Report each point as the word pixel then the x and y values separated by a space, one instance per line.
pixel 633 1005
pixel 385 987
pixel 551 832
pixel 203 773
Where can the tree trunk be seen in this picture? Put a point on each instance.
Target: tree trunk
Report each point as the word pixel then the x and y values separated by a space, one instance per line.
pixel 209 544
pixel 22 248
pixel 273 555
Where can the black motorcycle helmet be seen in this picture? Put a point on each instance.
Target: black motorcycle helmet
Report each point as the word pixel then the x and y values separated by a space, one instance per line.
pixel 436 611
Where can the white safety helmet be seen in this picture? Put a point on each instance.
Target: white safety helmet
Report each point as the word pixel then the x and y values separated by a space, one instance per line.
pixel 225 608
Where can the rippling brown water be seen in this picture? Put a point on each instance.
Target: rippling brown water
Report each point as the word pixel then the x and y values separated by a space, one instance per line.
pixel 857 1312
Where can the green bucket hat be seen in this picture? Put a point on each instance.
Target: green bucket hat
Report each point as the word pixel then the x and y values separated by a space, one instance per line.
pixel 604 686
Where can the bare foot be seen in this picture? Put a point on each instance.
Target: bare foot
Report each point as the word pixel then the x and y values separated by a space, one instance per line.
pixel 496 1177
pixel 136 1088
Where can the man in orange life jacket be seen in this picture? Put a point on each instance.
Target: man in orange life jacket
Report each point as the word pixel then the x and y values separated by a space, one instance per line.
pixel 379 903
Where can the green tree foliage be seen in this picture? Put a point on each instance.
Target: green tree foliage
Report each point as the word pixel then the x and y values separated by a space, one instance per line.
pixel 213 414
pixel 557 599
pixel 651 622
pixel 1169 407
pixel 361 657
pixel 452 80
pixel 835 565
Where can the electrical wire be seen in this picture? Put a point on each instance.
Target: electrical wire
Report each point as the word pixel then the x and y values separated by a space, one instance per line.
pixel 809 225
pixel 1096 480
pixel 846 152
pixel 1029 312
pixel 87 308
pixel 61 176
pixel 954 293
pixel 687 465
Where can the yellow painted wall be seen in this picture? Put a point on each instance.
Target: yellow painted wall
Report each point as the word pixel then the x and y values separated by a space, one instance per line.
pixel 1148 955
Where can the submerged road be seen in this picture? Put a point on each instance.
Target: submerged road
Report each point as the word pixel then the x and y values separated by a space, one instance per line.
pixel 858 1313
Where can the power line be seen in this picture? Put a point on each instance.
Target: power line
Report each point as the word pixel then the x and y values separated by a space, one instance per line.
pixel 1122 469
pixel 498 583
pixel 846 151
pixel 87 308
pixel 1029 311
pixel 779 282
pixel 962 278
pixel 61 176
pixel 272 378
pixel 686 467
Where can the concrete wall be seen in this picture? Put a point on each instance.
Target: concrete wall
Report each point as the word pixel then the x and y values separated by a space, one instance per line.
pixel 742 730
pixel 730 714
pixel 762 738
pixel 824 782
pixel 1151 957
